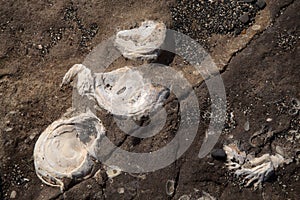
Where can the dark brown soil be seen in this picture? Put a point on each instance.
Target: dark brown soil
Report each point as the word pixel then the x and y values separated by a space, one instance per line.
pixel 41 40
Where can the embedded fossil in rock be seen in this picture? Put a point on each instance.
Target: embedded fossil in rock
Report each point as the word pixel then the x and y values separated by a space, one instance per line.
pixel 65 150
pixel 266 133
pixel 122 92
pixel 112 171
pixel 260 169
pixel 253 170
pixel 234 154
pixel 143 42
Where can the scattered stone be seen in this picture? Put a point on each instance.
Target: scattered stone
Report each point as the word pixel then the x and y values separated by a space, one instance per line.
pixel 121 190
pixel 247 126
pixel 8 129
pixel 170 187
pixel 89 186
pixel 256 27
pixel 13 194
pixel 32 136
pixel 201 19
pixel 269 119
pixel 40 47
pixel 244 18
pixel 219 154
pixel 261 4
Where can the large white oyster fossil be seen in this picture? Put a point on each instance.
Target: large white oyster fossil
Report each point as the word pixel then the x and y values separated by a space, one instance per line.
pixel 122 92
pixel 143 42
pixel 253 170
pixel 65 150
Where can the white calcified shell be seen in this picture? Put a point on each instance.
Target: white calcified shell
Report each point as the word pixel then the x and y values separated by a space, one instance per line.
pixel 234 154
pixel 253 170
pixel 65 148
pixel 122 92
pixel 143 42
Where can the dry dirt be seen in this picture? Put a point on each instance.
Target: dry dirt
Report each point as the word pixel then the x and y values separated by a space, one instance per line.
pixel 41 40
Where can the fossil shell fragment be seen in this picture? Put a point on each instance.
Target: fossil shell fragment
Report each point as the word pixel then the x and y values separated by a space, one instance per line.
pixel 234 154
pixel 253 170
pixel 122 92
pixel 143 42
pixel 66 148
pixel 113 171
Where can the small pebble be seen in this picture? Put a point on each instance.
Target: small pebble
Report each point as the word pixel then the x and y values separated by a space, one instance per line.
pixel 40 47
pixel 31 137
pixel 261 4
pixel 256 27
pixel 218 154
pixel 247 126
pixel 89 186
pixel 269 120
pixel 121 190
pixel 8 129
pixel 13 194
pixel 244 18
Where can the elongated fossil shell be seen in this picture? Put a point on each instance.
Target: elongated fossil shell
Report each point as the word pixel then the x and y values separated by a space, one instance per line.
pixel 143 42
pixel 65 150
pixel 122 92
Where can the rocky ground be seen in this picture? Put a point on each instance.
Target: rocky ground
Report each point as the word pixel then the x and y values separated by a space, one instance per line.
pixel 255 45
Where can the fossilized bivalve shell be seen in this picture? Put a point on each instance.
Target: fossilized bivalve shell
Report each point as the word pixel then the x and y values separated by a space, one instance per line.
pixel 65 150
pixel 143 42
pixel 122 92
